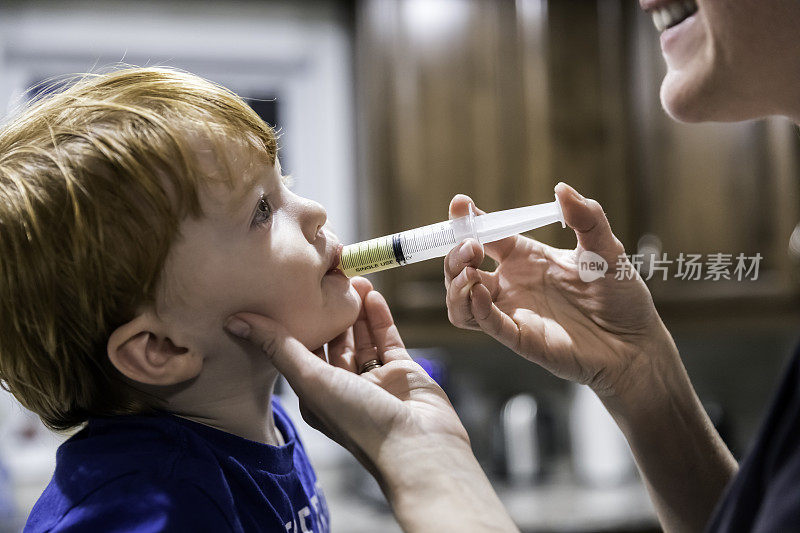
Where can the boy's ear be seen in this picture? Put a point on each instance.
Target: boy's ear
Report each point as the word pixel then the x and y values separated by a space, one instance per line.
pixel 142 354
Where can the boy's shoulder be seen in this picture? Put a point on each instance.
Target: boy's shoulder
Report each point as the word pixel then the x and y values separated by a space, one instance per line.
pixel 162 470
pixel 136 501
pixel 141 469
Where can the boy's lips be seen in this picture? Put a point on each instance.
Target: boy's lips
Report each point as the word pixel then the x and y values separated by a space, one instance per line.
pixel 336 256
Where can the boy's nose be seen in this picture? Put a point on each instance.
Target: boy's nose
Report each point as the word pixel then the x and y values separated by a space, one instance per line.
pixel 315 218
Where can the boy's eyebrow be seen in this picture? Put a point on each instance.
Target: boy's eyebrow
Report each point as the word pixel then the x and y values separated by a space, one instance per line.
pixel 250 178
pixel 240 195
pixel 244 201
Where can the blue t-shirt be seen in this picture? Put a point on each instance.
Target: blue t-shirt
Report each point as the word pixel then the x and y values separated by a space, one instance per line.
pixel 764 496
pixel 165 473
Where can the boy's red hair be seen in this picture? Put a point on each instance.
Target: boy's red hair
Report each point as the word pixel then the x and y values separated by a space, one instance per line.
pixel 94 181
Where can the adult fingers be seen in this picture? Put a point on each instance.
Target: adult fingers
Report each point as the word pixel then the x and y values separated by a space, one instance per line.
pixel 492 320
pixel 341 351
pixel 497 250
pixel 365 348
pixel 468 254
pixel 590 223
pixel 336 400
pixel 459 306
pixel 302 369
pixel 383 329
pixel 362 286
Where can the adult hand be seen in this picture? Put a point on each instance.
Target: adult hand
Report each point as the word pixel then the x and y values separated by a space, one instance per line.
pixel 603 333
pixel 395 419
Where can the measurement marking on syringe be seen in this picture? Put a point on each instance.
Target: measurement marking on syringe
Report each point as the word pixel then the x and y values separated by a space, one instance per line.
pixel 436 240
pixel 440 238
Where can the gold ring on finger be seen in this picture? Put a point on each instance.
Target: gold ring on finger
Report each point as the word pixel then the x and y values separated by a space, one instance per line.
pixel 372 364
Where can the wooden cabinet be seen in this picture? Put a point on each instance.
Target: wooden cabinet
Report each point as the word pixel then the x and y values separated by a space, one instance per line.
pixel 503 99
pixel 710 189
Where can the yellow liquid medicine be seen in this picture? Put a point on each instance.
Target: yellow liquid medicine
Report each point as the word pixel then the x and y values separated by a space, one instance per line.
pixel 399 249
pixel 368 256
pixel 436 240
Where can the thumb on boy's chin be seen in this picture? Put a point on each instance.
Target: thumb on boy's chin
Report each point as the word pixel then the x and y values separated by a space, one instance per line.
pixel 286 353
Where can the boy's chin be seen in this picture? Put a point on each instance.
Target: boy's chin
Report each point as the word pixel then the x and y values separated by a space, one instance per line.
pixel 318 341
pixel 344 318
pixel 319 344
pixel 315 344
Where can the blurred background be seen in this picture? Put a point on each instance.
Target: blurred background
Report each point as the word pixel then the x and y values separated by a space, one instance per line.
pixel 387 109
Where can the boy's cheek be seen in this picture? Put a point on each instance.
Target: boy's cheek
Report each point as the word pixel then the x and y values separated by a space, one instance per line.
pixel 315 326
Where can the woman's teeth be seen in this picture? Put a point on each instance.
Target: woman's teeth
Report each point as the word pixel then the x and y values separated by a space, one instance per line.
pixel 673 13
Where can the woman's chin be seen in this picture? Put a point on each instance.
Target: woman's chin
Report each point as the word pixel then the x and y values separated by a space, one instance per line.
pixel 706 96
pixel 680 102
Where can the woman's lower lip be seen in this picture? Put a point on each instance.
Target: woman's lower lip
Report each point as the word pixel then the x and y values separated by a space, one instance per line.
pixel 672 35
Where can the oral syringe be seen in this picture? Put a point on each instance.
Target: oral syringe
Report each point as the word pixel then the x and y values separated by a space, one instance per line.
pixel 436 240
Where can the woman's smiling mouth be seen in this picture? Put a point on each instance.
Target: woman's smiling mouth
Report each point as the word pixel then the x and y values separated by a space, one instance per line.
pixel 672 13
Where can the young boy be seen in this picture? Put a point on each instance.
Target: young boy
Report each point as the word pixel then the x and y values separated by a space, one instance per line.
pixel 138 210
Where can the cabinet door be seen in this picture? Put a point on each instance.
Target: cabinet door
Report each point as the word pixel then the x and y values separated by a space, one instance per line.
pixel 484 100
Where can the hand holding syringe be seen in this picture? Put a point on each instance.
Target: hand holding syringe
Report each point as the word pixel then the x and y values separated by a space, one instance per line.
pixel 435 240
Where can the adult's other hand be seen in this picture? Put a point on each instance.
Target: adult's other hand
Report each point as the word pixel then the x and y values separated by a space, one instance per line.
pixel 395 419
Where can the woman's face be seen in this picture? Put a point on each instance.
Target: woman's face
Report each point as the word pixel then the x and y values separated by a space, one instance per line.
pixel 729 60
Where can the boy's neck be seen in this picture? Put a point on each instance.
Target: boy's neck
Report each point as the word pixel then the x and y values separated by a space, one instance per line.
pixel 265 433
pixel 244 411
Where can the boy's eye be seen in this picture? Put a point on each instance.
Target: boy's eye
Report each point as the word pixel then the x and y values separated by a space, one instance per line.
pixel 263 212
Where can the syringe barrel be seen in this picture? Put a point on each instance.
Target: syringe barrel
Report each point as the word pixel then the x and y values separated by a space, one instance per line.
pixel 369 256
pixel 436 240
pixel 406 247
pixel 428 242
